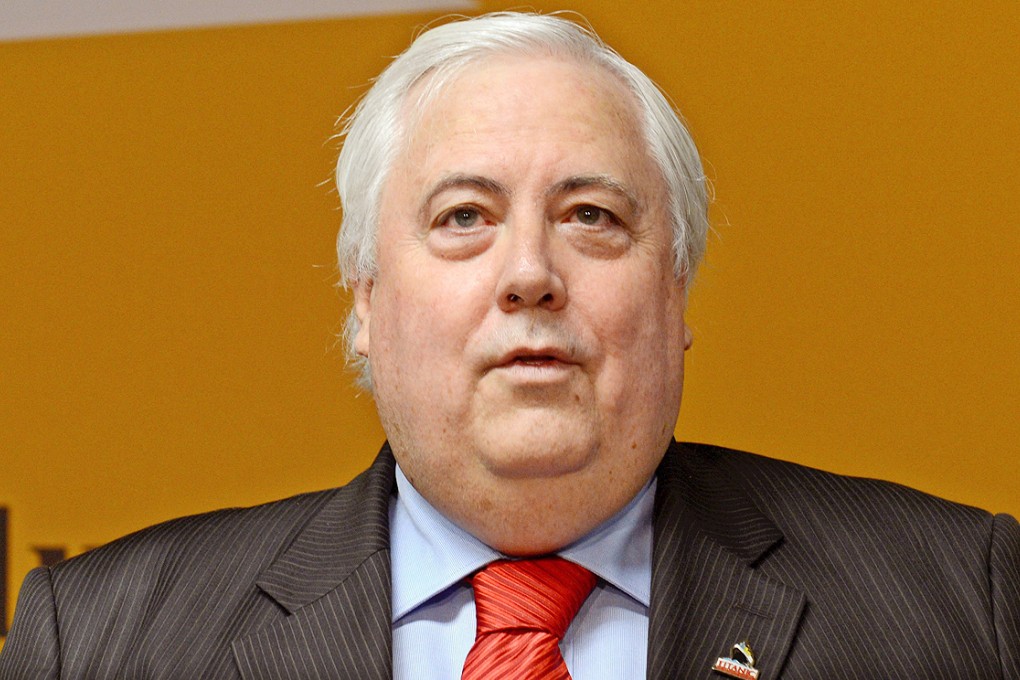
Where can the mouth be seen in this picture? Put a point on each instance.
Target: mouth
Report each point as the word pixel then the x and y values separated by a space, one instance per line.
pixel 534 358
pixel 537 360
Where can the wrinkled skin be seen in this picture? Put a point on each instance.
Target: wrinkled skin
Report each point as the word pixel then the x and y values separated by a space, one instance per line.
pixel 525 328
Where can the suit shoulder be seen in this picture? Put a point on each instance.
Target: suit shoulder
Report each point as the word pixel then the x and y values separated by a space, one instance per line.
pixel 169 600
pixel 873 558
pixel 201 543
pixel 803 496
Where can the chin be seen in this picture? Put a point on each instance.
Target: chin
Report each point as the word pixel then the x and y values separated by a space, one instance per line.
pixel 547 449
pixel 535 461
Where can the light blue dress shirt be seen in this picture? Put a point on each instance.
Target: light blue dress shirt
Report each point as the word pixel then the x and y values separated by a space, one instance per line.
pixel 434 609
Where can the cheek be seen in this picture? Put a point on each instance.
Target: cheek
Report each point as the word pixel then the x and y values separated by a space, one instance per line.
pixel 636 311
pixel 640 327
pixel 425 321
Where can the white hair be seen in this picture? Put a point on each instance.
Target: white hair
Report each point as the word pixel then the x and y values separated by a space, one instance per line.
pixel 375 132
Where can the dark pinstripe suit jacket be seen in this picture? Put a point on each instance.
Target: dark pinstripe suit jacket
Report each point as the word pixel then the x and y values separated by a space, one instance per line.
pixel 825 576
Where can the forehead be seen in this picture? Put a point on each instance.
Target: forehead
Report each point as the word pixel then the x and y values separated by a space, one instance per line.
pixel 496 109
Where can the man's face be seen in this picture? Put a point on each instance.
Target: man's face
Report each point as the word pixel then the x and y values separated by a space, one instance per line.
pixel 525 329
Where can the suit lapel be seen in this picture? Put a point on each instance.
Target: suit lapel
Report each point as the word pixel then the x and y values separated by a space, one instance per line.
pixel 334 582
pixel 706 592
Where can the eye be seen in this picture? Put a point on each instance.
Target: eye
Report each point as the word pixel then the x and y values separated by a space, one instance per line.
pixel 595 231
pixel 465 217
pixel 592 216
pixel 462 217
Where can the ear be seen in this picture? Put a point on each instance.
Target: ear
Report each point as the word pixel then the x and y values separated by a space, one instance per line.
pixel 688 333
pixel 363 310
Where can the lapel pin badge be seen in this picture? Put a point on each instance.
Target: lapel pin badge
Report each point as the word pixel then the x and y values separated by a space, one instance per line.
pixel 740 665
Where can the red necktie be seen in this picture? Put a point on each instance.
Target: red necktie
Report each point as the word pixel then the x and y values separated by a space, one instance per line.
pixel 523 609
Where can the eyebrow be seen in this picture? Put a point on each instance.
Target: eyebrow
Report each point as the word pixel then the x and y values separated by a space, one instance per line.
pixel 578 182
pixel 461 181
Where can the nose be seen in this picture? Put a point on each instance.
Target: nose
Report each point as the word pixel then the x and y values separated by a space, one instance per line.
pixel 529 276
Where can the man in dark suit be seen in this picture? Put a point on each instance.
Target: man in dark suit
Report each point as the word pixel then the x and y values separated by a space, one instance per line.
pixel 523 213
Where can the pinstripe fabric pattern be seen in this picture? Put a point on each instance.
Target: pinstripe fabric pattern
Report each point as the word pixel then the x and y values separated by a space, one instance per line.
pixel 302 585
pixel 706 595
pixel 523 609
pixel 31 650
pixel 334 581
pixel 825 576
pixel 1004 584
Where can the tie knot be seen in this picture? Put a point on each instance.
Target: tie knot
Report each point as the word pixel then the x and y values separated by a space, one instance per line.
pixel 540 594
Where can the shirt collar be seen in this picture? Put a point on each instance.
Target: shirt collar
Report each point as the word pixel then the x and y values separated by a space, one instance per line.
pixel 429 553
pixel 620 549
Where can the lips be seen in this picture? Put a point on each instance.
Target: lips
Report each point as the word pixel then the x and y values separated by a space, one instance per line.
pixel 538 357
pixel 539 360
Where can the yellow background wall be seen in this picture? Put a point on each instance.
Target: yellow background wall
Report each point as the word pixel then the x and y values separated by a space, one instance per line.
pixel 167 316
